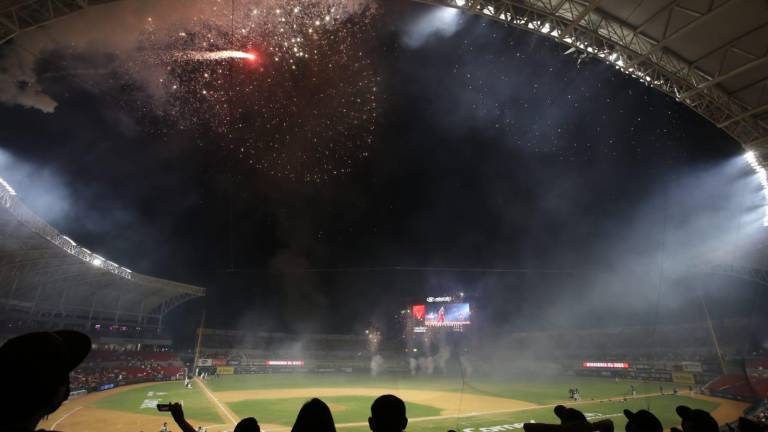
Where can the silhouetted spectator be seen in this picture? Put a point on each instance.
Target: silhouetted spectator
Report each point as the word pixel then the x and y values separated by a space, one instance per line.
pixel 696 420
pixel 314 416
pixel 36 370
pixel 642 421
pixel 178 416
pixel 388 414
pixel 571 420
pixel 248 424
pixel 569 415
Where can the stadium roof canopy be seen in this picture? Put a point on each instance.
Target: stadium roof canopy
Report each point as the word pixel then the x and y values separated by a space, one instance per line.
pixel 45 276
pixel 711 55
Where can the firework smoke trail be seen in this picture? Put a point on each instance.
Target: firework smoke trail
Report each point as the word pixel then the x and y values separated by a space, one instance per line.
pixel 304 108
pixel 214 55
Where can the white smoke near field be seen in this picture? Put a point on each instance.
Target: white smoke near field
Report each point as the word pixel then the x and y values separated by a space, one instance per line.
pixel 466 366
pixel 377 365
pixel 413 365
pixel 441 359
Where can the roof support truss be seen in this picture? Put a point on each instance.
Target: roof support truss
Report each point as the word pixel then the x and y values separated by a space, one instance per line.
pixel 29 14
pixel 616 42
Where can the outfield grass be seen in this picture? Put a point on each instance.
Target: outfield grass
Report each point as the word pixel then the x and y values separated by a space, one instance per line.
pixel 304 380
pixel 346 409
pixel 535 390
pixel 196 405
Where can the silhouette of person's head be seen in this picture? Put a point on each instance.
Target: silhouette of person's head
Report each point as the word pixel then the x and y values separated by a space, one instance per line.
pixel 696 420
pixel 248 424
pixel 569 415
pixel 37 367
pixel 642 421
pixel 388 414
pixel 314 416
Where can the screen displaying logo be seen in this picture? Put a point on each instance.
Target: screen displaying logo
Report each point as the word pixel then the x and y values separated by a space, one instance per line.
pixel 418 312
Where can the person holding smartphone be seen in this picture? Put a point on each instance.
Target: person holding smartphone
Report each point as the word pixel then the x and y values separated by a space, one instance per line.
pixel 248 424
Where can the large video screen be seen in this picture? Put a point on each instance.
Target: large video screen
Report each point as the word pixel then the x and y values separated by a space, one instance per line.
pixel 444 314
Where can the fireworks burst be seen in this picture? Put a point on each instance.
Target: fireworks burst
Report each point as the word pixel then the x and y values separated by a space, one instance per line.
pixel 286 84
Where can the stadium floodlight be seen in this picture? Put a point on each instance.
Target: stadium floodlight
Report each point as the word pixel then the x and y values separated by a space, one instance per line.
pixel 762 175
pixel 97 260
pixel 7 187
pixel 72 242
pixel 460 3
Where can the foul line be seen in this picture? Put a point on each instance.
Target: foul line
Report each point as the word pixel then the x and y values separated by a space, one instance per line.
pixel 215 400
pixel 53 426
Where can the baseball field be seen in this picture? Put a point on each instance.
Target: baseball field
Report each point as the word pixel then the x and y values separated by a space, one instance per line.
pixel 433 403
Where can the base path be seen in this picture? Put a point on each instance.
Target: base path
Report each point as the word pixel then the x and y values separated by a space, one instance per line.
pixel 223 410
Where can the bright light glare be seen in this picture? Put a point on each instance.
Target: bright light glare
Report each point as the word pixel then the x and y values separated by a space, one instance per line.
pixel 762 175
pixel 7 187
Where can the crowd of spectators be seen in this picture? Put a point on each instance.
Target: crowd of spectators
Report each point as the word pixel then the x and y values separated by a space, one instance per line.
pixel 109 368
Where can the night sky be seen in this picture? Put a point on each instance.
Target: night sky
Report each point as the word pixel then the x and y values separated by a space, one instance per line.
pixel 489 148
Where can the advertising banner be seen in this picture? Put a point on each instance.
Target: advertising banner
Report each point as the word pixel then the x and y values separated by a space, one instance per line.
pixel 105 387
pixel 692 367
pixel 219 362
pixel 204 362
pixel 225 370
pixel 683 378
pixel 605 365
pixel 233 362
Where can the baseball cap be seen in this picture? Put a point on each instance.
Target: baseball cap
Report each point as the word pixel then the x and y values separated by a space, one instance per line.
pixel 642 421
pixel 696 419
pixel 248 424
pixel 569 415
pixel 43 357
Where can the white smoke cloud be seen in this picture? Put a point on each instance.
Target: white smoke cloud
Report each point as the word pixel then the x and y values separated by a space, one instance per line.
pixel 442 21
pixel 114 28
pixel 40 188
pixel 111 28
pixel 18 84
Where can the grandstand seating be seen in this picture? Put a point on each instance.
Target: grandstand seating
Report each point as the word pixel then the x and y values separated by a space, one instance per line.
pixel 114 368
pixel 740 386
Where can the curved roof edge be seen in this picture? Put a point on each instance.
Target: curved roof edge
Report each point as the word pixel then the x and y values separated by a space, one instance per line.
pixel 10 201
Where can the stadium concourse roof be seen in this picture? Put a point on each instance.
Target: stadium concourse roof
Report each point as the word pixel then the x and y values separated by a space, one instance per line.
pixel 711 55
pixel 45 276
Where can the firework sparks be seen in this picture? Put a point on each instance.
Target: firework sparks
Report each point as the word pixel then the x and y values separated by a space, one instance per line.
pixel 311 114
